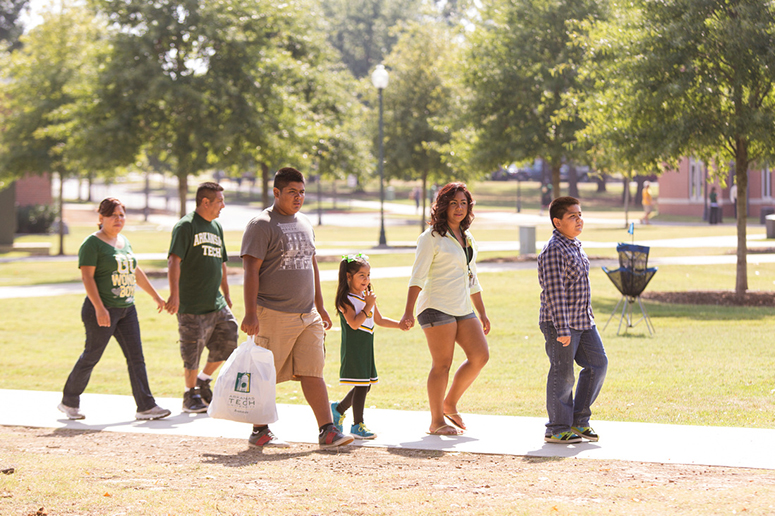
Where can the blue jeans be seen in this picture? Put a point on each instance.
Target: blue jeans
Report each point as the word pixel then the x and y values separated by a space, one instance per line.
pixel 586 349
pixel 125 326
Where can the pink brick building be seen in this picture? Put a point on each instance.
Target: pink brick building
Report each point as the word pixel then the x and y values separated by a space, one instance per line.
pixel 685 191
pixel 33 189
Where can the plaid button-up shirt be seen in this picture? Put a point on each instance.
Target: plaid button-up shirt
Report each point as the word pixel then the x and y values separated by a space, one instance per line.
pixel 563 273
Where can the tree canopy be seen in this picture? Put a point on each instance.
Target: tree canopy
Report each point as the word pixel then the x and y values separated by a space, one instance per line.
pixel 520 67
pixel 421 103
pixel 687 78
pixel 45 80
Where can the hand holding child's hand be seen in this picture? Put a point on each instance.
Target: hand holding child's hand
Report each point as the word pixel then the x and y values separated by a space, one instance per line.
pixel 406 322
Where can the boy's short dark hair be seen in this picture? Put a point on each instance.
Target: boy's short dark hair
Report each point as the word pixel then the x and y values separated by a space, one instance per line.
pixel 559 207
pixel 207 190
pixel 287 175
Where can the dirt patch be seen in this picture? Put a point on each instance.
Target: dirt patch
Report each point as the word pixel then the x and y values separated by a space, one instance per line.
pixel 68 472
pixel 712 297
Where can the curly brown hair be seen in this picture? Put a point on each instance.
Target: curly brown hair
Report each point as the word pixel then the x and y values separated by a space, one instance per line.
pixel 439 209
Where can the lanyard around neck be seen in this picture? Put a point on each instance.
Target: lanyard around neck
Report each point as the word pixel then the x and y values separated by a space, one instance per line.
pixel 464 248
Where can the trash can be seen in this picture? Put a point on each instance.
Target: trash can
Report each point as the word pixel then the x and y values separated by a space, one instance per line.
pixel 765 210
pixel 527 240
pixel 769 224
pixel 390 193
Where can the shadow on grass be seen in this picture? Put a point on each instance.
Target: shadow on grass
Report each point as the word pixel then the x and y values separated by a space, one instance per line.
pixel 657 310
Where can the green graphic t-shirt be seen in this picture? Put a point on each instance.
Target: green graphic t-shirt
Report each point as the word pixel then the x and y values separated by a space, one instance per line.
pixel 199 245
pixel 114 270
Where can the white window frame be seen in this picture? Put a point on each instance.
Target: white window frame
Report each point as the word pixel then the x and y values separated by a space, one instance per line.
pixel 766 182
pixel 696 180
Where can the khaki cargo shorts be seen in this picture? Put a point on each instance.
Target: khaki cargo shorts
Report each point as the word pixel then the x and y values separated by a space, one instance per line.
pixel 296 340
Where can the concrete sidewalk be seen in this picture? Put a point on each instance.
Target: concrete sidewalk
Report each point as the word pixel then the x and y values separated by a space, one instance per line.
pixel 502 435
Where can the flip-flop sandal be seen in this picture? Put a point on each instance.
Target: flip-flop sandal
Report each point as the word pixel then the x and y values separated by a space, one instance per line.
pixel 460 425
pixel 438 431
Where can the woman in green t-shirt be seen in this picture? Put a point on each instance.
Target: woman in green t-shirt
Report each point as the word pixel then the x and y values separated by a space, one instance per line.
pixel 110 273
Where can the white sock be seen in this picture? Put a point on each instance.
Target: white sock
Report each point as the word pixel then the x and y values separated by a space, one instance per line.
pixel 204 377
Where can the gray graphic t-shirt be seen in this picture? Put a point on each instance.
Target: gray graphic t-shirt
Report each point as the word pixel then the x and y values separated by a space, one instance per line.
pixel 286 244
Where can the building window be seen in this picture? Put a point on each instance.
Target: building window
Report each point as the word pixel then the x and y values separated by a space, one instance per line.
pixel 766 182
pixel 696 180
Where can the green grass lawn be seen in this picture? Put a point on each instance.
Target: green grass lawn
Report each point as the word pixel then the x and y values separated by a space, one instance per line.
pixel 706 365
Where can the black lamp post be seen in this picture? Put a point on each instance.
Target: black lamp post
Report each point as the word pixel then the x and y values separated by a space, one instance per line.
pixel 379 78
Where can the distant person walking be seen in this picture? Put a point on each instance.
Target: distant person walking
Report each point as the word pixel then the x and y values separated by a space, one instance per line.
pixel 356 303
pixel 284 304
pixel 715 211
pixel 546 197
pixel 110 274
pixel 648 202
pixel 446 290
pixel 568 325
pixel 199 295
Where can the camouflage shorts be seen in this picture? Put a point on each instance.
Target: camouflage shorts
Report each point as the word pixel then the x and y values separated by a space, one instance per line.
pixel 217 331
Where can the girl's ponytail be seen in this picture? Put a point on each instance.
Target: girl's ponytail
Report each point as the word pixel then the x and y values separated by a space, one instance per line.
pixel 351 263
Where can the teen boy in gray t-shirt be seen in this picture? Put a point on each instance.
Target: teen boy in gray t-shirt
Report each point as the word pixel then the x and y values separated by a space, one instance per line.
pixel 283 303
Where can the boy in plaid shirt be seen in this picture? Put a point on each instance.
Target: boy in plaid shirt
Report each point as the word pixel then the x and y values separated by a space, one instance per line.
pixel 568 325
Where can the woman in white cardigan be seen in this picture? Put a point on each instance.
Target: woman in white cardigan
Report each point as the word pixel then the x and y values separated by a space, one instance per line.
pixel 446 290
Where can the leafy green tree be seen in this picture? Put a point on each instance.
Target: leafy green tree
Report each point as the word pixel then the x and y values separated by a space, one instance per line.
pixel 420 102
pixel 690 78
pixel 521 68
pixel 45 80
pixel 10 25
pixel 204 83
pixel 364 31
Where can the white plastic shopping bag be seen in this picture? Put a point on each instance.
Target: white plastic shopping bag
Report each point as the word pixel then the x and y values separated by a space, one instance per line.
pixel 245 388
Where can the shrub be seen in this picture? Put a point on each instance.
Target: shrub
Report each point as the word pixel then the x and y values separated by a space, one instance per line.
pixel 37 218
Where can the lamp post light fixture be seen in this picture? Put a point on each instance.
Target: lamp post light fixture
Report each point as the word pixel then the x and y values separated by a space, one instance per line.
pixel 379 78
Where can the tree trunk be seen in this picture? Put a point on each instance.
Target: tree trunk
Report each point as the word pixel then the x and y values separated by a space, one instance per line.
pixel 333 191
pixel 61 214
pixel 555 168
pixel 573 181
pixel 424 201
pixel 601 186
pixel 638 200
pixel 182 191
pixel 265 185
pixel 626 194
pixel 741 173
pixel 147 192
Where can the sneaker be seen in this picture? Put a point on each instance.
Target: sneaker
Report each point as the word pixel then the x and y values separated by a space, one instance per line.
pixel 204 390
pixel 361 432
pixel 338 418
pixel 265 437
pixel 155 413
pixel 563 438
pixel 71 412
pixel 331 437
pixel 586 432
pixel 192 401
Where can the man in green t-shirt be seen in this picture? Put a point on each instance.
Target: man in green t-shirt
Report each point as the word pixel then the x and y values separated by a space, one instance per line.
pixel 197 275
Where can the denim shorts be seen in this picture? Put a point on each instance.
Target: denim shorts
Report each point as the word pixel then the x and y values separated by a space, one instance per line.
pixel 432 317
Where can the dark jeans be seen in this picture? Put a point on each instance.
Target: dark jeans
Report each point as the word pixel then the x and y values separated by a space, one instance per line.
pixel 125 327
pixel 585 349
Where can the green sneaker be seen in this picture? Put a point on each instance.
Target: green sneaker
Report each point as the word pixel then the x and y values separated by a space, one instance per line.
pixel 563 438
pixel 361 432
pixel 338 418
pixel 586 432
